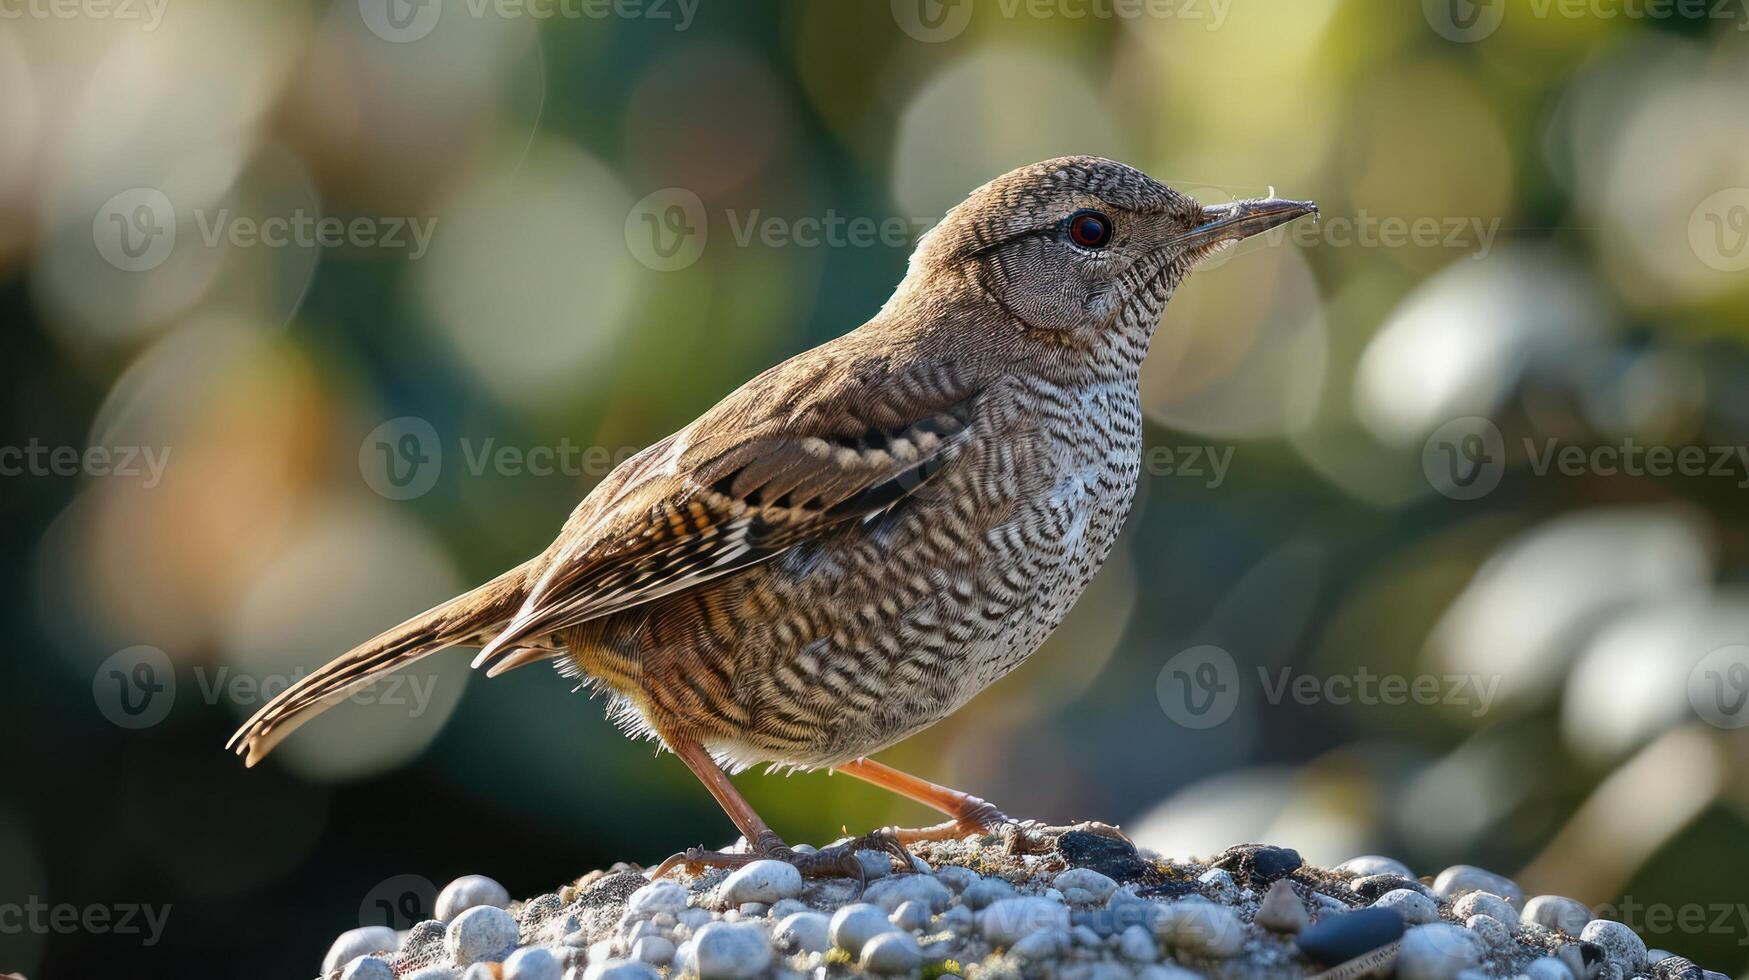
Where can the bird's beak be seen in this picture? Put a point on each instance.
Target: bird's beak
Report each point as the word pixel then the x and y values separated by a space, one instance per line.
pixel 1242 219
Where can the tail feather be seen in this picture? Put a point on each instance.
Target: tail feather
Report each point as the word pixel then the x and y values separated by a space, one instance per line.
pixel 470 619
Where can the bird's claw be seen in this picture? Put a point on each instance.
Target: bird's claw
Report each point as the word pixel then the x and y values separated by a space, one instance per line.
pixel 837 861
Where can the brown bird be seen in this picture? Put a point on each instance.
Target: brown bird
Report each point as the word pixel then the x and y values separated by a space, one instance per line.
pixel 854 543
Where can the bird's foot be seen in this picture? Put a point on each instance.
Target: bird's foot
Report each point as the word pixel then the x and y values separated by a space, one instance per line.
pixel 980 819
pixel 837 861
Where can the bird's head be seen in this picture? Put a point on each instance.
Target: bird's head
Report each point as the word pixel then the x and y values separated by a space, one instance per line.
pixel 1076 247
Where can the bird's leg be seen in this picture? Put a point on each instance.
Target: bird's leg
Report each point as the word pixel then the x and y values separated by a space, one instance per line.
pixel 840 859
pixel 970 814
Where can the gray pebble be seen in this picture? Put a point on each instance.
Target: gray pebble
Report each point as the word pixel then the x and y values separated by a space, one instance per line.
pixel 956 878
pixel 892 953
pixel 731 951
pixel 890 893
pixel 1482 903
pixel 469 891
pixel 804 932
pixel 752 910
pixel 1281 910
pixel 653 950
pixel 437 972
pixel 1083 936
pixel 1139 945
pixel 912 916
pixel 1438 951
pixel 958 917
pixel 482 934
pixel 1461 879
pixel 695 919
pixel 1007 921
pixel 1547 968
pixel 1167 971
pixel 532 963
pixel 368 968
pixel 658 896
pixel 479 971
pixel 1557 912
pixel 1415 908
pixel 353 943
pixel 1656 956
pixel 1493 931
pixel 786 908
pixel 1041 945
pixel 1203 928
pixel 875 864
pixel 984 891
pixel 620 970
pixel 854 925
pixel 1373 864
pixel 1218 885
pixel 1622 944
pixel 1084 886
pixel 762 881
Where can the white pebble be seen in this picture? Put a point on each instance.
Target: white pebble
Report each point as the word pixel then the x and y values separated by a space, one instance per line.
pixel 1437 951
pixel 1482 903
pixel 482 934
pixel 890 893
pixel 467 892
pixel 1138 944
pixel 1374 864
pixel 892 953
pixel 1044 944
pixel 368 968
pixel 620 970
pixel 353 943
pixel 1084 886
pixel 1624 946
pixel 804 932
pixel 1219 885
pixel 1493 931
pixel 912 916
pixel 437 972
pixel 658 896
pixel 1547 968
pixel 732 951
pixel 1167 971
pixel 1281 910
pixel 1009 920
pixel 1557 912
pixel 532 963
pixel 653 950
pixel 854 925
pixel 479 971
pixel 1461 879
pixel 1203 928
pixel 1415 908
pixel 762 881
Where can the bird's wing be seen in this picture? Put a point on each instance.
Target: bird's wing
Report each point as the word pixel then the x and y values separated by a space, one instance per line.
pixel 743 484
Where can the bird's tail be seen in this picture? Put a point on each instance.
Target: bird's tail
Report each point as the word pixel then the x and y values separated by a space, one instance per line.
pixel 469 619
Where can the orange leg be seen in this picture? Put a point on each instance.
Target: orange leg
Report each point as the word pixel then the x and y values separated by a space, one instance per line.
pixel 970 814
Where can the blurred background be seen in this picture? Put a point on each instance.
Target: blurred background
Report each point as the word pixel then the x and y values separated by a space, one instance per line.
pixel 317 314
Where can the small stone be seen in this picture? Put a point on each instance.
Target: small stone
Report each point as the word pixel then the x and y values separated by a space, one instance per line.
pixel 1461 879
pixel 532 963
pixel 1336 939
pixel 1084 886
pixel 479 971
pixel 1167 971
pixel 890 893
pixel 1482 903
pixel 762 881
pixel 958 918
pixel 875 864
pixel 854 925
pixel 1493 931
pixel 912 916
pixel 353 943
pixel 620 970
pixel 467 892
pixel 1139 945
pixel 658 896
pixel 1218 885
pixel 653 950
pixel 1110 856
pixel 787 907
pixel 1281 909
pixel 1547 968
pixel 1437 951
pixel 892 953
pixel 1084 936
pixel 984 891
pixel 1372 886
pixel 482 934
pixel 956 879
pixel 1045 944
pixel 804 932
pixel 731 951
pixel 695 919
pixel 1256 865
pixel 1673 967
pixel 1622 945
pixel 368 968
pixel 752 910
pixel 1006 922
pixel 436 972
pixel 1368 865
pixel 1415 908
pixel 1201 927
pixel 1557 912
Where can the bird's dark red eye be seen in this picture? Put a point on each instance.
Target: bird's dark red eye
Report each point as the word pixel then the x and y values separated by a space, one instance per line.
pixel 1089 229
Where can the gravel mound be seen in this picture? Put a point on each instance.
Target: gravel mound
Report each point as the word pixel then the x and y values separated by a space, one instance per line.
pixel 1078 903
